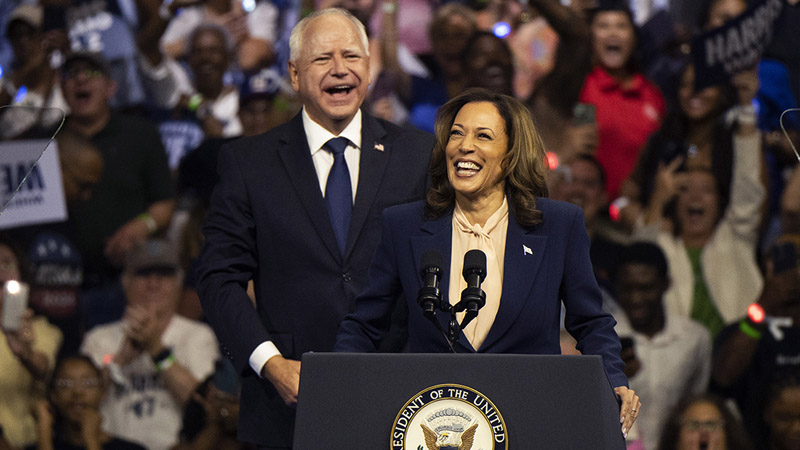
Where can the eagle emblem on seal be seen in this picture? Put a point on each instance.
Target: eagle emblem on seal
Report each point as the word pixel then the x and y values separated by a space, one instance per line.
pixel 450 429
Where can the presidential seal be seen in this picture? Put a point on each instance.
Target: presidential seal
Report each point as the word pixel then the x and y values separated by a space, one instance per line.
pixel 449 417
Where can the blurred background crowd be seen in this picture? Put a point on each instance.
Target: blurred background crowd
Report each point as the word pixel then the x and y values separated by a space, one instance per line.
pixel 690 190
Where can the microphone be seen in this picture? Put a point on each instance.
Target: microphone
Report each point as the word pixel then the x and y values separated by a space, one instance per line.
pixel 472 298
pixel 429 296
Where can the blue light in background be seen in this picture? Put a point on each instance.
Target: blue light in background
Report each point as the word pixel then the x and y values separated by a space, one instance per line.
pixel 248 5
pixel 21 93
pixel 501 29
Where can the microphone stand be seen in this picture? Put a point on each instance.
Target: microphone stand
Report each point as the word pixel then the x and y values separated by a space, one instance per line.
pixel 454 330
pixel 472 298
pixel 450 336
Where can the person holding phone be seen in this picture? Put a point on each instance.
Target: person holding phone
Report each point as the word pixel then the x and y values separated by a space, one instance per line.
pixel 629 106
pixel 31 84
pixel 253 28
pixel 667 356
pixel 211 416
pixel 28 348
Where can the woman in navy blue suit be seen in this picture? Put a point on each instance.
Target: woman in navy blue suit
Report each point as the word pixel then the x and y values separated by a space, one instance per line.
pixel 487 187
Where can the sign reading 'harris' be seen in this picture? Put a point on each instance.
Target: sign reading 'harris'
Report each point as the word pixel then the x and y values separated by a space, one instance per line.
pixel 735 46
pixel 449 417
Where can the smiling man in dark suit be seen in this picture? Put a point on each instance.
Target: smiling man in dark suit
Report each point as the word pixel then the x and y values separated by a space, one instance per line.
pixel 297 210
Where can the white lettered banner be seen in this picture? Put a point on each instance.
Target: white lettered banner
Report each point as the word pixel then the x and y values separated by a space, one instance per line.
pixel 738 45
pixel 40 199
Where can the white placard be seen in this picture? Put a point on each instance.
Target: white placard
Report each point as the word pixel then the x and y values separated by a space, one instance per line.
pixel 41 198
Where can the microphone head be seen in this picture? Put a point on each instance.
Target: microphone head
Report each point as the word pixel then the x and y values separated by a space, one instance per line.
pixel 475 263
pixel 431 261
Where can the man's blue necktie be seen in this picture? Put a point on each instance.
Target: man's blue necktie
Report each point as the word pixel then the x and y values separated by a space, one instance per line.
pixel 339 191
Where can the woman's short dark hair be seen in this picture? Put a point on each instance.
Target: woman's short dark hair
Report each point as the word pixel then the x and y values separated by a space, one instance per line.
pixel 524 166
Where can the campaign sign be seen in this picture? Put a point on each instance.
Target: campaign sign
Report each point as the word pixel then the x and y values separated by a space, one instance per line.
pixel 738 45
pixel 40 198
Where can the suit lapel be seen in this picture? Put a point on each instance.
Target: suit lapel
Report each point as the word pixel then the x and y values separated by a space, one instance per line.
pixel 296 157
pixel 438 235
pixel 372 166
pixel 523 256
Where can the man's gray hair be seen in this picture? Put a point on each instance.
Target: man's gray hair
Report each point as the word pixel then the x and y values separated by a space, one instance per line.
pixel 296 38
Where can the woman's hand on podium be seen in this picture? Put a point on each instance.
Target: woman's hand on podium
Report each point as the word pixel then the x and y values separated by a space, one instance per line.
pixel 630 408
pixel 284 374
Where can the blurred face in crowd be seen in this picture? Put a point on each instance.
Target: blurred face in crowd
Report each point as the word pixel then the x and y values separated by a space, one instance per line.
pixel 702 426
pixel 488 64
pixel 155 289
pixel 613 39
pixel 81 167
pixel 640 288
pixel 722 11
pixel 87 91
pixel 331 72
pixel 698 203
pixel 361 9
pixel 77 390
pixel 475 152
pixel 9 265
pixel 697 105
pixel 78 184
pixel 208 58
pixel 25 39
pixel 783 419
pixel 582 6
pixel 584 187
pixel 448 41
pixel 256 116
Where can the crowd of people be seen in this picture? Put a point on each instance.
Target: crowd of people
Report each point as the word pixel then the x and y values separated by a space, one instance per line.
pixel 170 278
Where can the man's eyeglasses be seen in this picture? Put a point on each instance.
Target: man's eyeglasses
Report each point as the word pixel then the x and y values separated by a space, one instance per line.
pixel 75 72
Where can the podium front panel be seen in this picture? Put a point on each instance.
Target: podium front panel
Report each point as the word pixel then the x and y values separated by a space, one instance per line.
pixel 350 401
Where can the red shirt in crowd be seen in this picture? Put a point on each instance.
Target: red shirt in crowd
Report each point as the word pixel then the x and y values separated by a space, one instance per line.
pixel 626 116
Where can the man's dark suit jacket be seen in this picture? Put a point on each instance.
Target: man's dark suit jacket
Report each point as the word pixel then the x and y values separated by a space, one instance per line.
pixel 268 221
pixel 545 265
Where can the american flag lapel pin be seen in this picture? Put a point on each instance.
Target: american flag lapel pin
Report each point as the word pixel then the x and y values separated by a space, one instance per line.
pixel 526 250
pixel 378 147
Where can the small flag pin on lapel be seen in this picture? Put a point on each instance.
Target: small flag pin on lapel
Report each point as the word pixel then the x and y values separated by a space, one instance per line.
pixel 526 250
pixel 378 147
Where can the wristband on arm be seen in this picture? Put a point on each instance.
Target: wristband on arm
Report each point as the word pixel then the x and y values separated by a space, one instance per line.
pixel 164 360
pixel 755 319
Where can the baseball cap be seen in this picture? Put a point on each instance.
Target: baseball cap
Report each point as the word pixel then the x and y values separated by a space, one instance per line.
pixel 262 84
pixel 153 254
pixel 33 15
pixel 94 60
